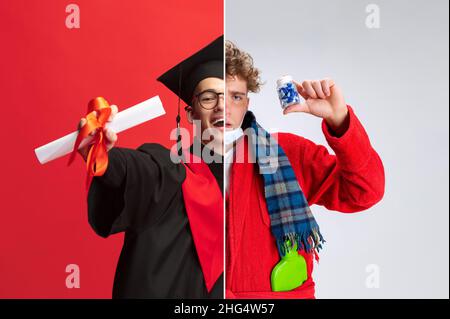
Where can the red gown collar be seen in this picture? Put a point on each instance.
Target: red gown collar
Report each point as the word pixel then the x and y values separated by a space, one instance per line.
pixel 204 206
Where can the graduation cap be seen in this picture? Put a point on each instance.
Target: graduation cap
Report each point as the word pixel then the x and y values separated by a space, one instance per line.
pixel 184 77
pixel 205 63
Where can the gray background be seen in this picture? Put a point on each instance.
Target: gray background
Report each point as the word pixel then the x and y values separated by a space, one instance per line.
pixel 396 78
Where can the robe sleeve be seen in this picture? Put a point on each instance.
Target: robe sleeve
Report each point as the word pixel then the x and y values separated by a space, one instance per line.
pixel 352 180
pixel 137 187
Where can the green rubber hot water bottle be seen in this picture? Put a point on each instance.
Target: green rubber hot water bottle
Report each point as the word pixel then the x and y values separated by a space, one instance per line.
pixel 290 272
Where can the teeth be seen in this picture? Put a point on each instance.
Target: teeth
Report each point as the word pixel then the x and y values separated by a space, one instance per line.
pixel 218 121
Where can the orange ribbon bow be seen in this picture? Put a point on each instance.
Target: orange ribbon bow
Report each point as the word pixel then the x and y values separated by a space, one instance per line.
pixel 97 159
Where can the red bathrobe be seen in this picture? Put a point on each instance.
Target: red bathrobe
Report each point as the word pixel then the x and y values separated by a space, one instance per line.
pixel 350 181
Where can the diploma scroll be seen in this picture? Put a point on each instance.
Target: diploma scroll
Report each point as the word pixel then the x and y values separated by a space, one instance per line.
pixel 135 115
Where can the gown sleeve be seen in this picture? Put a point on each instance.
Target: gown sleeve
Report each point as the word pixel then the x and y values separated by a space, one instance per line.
pixel 352 180
pixel 137 187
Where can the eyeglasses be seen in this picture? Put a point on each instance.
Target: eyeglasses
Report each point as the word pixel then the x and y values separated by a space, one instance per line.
pixel 208 99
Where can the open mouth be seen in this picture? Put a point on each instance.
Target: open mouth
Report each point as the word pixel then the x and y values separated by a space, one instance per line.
pixel 218 123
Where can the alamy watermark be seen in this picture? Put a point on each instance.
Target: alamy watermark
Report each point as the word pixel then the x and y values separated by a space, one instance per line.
pixel 73 17
pixel 266 149
pixel 373 17
pixel 373 277
pixel 73 279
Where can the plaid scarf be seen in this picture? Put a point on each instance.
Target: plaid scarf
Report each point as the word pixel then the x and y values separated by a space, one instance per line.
pixel 292 222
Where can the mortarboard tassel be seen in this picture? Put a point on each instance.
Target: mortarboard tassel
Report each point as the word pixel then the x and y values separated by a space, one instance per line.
pixel 179 144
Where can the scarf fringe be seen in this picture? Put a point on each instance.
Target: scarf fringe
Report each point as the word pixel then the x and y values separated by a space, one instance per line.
pixel 301 240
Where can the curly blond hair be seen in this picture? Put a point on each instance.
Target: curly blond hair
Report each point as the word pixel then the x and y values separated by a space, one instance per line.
pixel 240 64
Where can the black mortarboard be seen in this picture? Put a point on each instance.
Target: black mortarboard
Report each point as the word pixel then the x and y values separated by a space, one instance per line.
pixel 205 63
pixel 184 77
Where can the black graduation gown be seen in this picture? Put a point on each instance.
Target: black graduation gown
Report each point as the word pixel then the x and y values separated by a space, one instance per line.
pixel 141 195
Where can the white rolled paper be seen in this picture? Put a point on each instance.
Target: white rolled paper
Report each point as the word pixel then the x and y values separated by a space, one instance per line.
pixel 124 120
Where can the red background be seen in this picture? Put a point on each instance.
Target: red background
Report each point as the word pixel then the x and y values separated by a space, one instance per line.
pixel 48 73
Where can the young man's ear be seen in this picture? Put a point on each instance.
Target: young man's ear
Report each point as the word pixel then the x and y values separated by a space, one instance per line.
pixel 189 114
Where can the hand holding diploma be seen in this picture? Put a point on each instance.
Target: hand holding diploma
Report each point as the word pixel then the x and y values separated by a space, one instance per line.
pixel 96 133
pixel 99 113
pixel 110 135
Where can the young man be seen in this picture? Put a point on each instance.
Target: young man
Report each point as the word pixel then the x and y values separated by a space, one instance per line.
pixel 267 211
pixel 171 212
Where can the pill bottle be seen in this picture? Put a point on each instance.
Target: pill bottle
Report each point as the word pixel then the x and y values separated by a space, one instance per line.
pixel 287 91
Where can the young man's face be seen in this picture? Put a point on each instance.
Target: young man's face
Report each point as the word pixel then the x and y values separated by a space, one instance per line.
pixel 207 107
pixel 237 102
